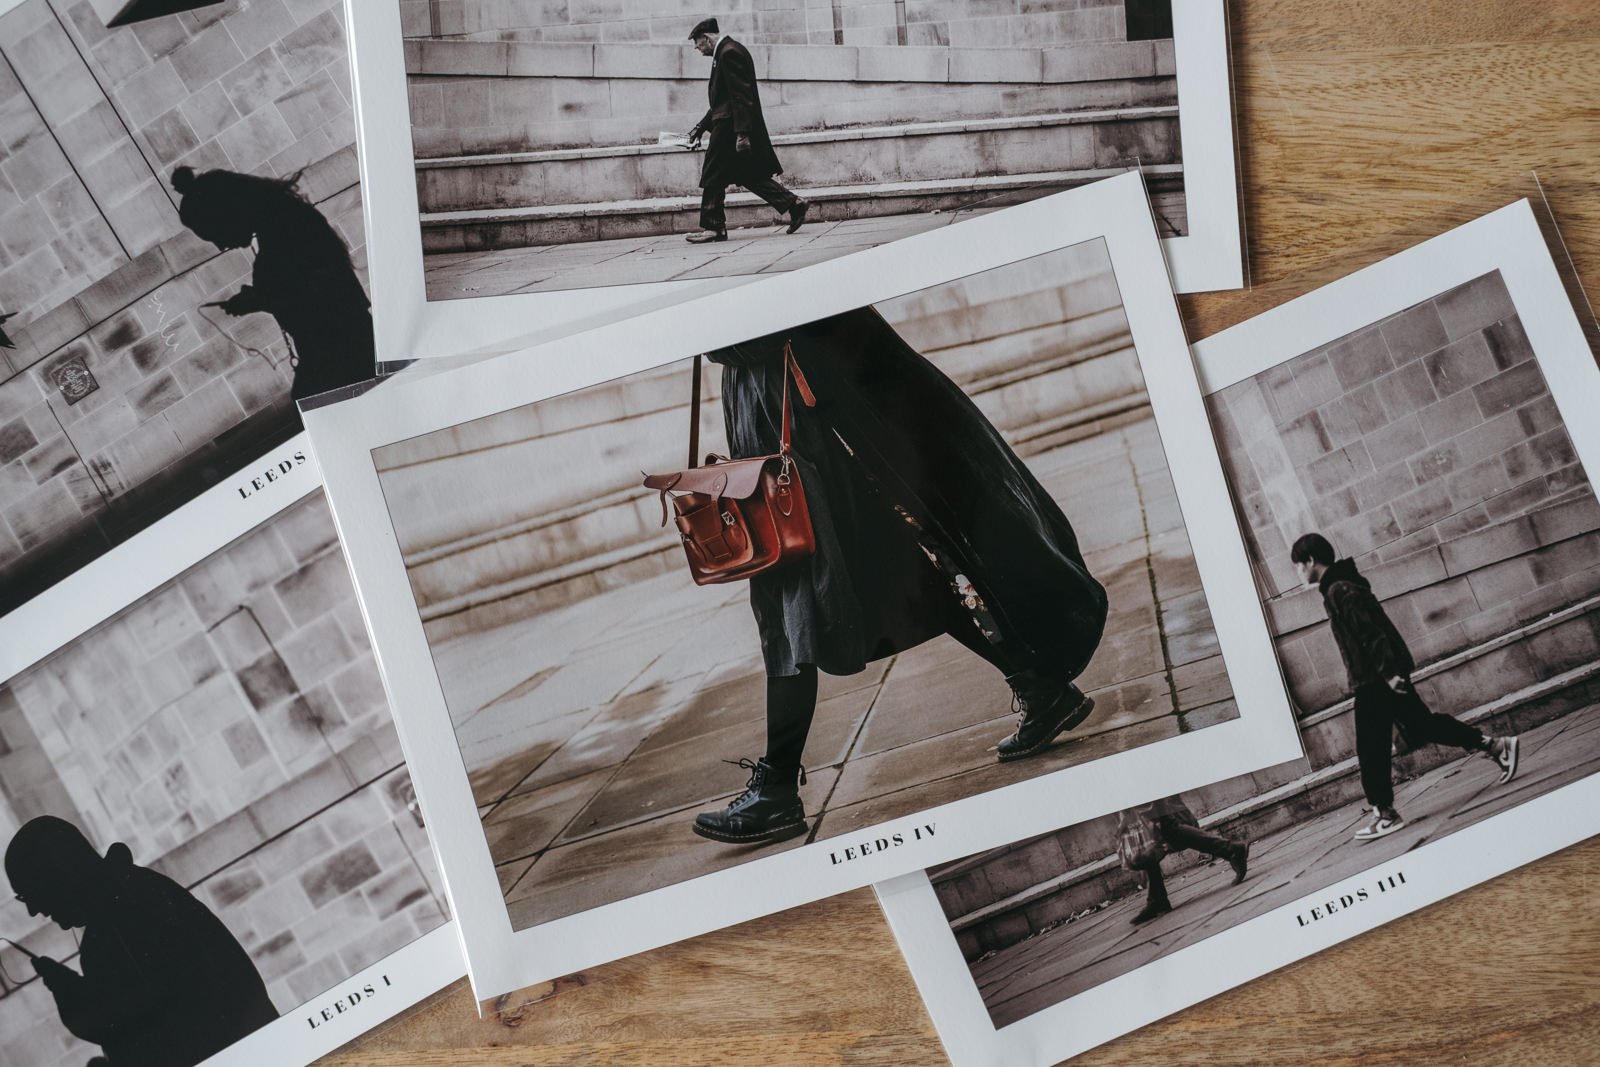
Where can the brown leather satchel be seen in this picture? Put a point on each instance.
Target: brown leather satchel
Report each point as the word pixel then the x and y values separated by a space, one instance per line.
pixel 739 517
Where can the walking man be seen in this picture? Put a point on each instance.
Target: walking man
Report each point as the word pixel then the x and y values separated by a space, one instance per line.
pixel 1379 666
pixel 740 152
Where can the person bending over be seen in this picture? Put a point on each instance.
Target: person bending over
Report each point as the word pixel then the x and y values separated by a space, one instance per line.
pixel 163 982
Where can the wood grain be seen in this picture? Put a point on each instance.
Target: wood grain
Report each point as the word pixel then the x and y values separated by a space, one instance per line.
pixel 1360 121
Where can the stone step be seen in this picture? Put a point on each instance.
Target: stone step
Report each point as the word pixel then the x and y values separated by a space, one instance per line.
pixel 551 560
pixel 1095 874
pixel 963 148
pixel 517 101
pixel 469 231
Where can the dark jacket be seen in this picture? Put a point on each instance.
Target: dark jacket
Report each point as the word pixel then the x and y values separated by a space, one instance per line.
pixel 304 278
pixel 1372 649
pixel 163 983
pixel 735 109
pixel 891 431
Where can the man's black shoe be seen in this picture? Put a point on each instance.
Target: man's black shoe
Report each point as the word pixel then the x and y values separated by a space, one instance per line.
pixel 1048 708
pixel 797 214
pixel 769 809
pixel 705 237
pixel 1239 861
pixel 1152 909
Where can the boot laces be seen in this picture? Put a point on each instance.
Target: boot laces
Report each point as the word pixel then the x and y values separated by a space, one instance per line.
pixel 758 771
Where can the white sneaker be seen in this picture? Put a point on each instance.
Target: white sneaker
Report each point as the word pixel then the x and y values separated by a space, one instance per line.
pixel 1381 826
pixel 1503 750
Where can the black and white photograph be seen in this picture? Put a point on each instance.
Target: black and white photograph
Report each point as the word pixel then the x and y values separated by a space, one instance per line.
pixel 787 597
pixel 209 835
pixel 182 259
pixel 558 148
pixel 1426 543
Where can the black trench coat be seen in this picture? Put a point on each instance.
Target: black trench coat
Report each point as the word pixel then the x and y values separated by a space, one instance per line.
pixel 735 109
pixel 869 591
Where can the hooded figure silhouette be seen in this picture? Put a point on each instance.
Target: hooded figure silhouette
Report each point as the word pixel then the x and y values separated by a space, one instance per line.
pixel 303 276
pixel 163 982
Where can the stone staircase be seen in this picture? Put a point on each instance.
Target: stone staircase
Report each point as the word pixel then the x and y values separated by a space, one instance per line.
pixel 1044 369
pixel 530 144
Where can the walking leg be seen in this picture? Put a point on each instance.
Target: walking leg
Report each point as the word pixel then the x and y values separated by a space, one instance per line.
pixel 770 808
pixel 791 705
pixel 782 200
pixel 1417 721
pixel 1155 901
pixel 1374 742
pixel 713 209
pixel 1180 835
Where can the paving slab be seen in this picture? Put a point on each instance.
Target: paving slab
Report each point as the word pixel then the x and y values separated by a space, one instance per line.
pixel 1284 867
pixel 634 860
pixel 762 249
pixel 597 730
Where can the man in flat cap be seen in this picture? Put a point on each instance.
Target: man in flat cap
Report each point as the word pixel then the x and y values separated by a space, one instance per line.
pixel 740 152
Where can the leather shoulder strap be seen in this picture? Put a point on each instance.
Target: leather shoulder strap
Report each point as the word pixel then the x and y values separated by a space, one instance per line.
pixel 694 419
pixel 791 369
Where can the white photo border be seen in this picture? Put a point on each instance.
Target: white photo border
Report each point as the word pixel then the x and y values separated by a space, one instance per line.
pixel 120 578
pixel 410 326
pixel 345 435
pixel 1507 240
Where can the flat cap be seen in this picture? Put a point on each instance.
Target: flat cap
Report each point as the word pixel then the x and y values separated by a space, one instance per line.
pixel 704 26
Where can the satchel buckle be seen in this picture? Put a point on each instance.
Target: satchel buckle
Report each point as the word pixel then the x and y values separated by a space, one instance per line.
pixel 727 518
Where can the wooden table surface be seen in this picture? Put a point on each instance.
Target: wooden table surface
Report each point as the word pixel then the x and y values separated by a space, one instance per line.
pixel 1358 120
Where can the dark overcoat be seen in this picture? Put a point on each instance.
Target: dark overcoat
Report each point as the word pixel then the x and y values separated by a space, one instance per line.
pixel 735 109
pixel 892 434
pixel 304 278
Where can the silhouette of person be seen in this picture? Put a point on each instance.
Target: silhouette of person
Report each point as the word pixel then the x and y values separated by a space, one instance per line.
pixel 303 276
pixel 163 982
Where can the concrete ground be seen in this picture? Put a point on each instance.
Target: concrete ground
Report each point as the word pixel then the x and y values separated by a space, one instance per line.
pixel 593 735
pixel 1097 947
pixel 636 260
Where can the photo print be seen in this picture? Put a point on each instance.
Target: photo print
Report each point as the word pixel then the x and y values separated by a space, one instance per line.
pixel 181 258
pixel 1408 451
pixel 1015 604
pixel 626 154
pixel 212 849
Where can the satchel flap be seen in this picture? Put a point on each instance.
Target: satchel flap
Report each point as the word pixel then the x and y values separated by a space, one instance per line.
pixel 737 479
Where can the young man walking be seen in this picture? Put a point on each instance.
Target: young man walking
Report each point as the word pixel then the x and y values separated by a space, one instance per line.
pixel 1379 665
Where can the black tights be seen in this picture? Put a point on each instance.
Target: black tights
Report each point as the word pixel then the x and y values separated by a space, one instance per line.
pixel 792 698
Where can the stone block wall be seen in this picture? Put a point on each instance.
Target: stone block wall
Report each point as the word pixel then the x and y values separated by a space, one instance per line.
pixel 231 729
pixel 1426 446
pixel 1043 346
pixel 993 23
pixel 92 122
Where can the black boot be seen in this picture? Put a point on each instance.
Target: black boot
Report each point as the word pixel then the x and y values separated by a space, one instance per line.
pixel 769 809
pixel 1048 708
pixel 1237 860
pixel 1155 904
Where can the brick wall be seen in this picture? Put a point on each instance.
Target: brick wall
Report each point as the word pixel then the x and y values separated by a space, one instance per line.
pixel 994 23
pixel 99 271
pixel 1427 447
pixel 231 729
